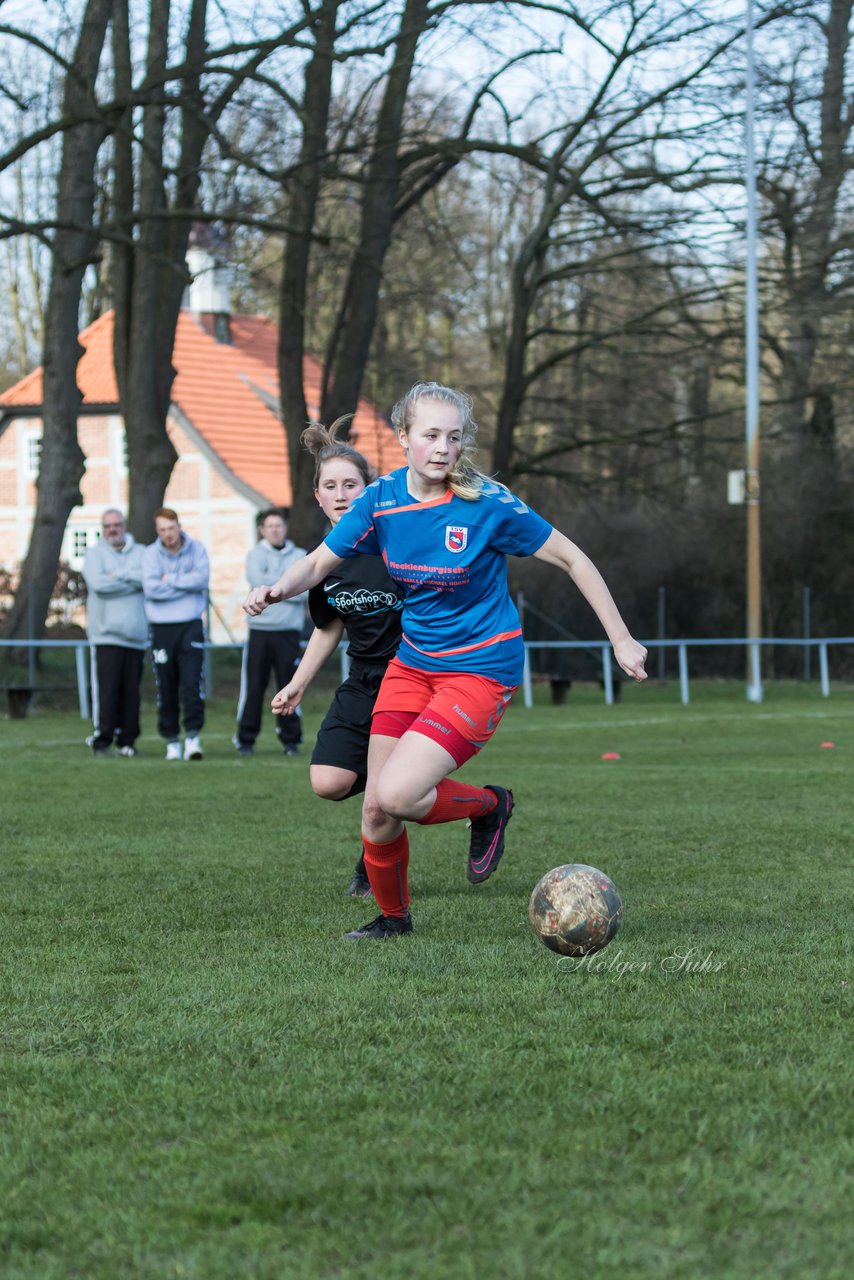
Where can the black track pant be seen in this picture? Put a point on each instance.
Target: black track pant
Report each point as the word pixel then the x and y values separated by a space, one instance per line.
pixel 267 651
pixel 116 674
pixel 178 657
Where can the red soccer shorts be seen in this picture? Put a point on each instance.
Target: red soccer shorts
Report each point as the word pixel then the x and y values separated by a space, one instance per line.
pixel 458 710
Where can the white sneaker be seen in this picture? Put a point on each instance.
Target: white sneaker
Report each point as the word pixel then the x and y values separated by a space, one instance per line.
pixel 173 751
pixel 193 747
pixel 128 752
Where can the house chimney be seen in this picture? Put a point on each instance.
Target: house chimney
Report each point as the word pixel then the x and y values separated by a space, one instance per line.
pixel 209 291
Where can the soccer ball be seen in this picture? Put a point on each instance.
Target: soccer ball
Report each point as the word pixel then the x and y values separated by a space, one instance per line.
pixel 575 910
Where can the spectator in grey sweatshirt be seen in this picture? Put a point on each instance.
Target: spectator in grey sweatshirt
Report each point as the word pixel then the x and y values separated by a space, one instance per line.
pixel 118 635
pixel 273 643
pixel 175 579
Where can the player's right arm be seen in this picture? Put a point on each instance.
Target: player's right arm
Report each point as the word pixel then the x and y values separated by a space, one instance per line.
pixel 558 550
pixel 297 578
pixel 322 643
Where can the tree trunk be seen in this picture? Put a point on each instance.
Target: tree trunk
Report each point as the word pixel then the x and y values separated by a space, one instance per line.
pixel 810 248
pixel 62 461
pixel 797 361
pixel 526 276
pixel 351 344
pixel 305 524
pixel 512 392
pixel 150 271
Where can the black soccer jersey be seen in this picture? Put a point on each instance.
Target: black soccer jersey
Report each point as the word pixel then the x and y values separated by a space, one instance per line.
pixel 370 603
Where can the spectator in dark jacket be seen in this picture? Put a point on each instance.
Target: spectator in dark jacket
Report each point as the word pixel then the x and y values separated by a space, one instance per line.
pixel 273 641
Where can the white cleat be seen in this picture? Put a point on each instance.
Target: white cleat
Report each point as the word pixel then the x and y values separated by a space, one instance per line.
pixel 193 748
pixel 173 751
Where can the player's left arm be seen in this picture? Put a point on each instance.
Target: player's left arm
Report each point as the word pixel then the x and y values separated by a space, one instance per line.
pixel 558 550
pixel 321 645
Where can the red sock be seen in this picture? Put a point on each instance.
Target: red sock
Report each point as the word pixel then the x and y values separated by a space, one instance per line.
pixel 386 865
pixel 456 800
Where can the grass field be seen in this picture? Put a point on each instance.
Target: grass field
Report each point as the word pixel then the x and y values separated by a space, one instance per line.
pixel 199 1079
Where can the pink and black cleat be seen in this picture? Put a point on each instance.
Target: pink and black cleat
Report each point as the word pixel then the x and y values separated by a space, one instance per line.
pixel 487 836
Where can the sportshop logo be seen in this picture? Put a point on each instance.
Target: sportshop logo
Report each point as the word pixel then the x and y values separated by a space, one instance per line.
pixel 363 601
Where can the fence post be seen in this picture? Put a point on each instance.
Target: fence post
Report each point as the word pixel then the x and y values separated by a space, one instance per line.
pixel 754 691
pixel 207 654
pixel 82 681
pixel 607 679
pixel 807 648
pixel 527 691
pixel 31 627
pixel 822 665
pixel 683 674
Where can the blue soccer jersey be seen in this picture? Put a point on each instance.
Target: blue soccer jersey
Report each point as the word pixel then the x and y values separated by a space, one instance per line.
pixel 450 555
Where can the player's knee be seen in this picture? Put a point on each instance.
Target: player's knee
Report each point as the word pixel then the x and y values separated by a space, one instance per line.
pixel 373 815
pixel 395 798
pixel 330 784
pixel 328 790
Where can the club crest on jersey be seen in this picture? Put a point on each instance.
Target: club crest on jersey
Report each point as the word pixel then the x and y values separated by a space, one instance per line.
pixel 456 537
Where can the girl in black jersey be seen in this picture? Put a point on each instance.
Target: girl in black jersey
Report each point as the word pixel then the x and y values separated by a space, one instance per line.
pixel 362 599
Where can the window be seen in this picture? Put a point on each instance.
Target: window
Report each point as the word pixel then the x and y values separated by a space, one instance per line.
pixel 79 543
pixel 118 446
pixel 75 543
pixel 33 454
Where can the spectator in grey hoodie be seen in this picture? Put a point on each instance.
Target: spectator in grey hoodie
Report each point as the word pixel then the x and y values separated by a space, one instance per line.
pixel 175 579
pixel 118 635
pixel 273 643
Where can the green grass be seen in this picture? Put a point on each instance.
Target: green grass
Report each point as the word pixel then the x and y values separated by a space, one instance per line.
pixel 200 1080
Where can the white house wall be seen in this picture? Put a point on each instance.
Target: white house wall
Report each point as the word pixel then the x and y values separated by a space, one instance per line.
pixel 208 505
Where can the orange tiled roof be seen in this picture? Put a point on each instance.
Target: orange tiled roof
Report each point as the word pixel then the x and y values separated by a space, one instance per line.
pixel 95 374
pixel 224 391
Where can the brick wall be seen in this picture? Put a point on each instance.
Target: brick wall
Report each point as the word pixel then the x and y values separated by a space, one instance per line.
pixel 208 505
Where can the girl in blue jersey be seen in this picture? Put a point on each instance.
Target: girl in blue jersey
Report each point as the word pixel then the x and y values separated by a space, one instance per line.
pixel 360 598
pixel 444 530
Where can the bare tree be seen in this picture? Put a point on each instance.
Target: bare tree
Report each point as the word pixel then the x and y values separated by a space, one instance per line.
pixel 402 159
pixel 350 341
pixel 74 246
pixel 149 272
pixel 611 152
pixel 156 203
pixel 304 188
pixel 26 269
pixel 30 192
pixel 805 183
pixel 350 338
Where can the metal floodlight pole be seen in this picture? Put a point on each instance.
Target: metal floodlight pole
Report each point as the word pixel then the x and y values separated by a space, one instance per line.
pixel 754 563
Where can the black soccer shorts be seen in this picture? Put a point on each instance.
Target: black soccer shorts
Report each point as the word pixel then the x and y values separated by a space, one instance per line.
pixel 342 739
